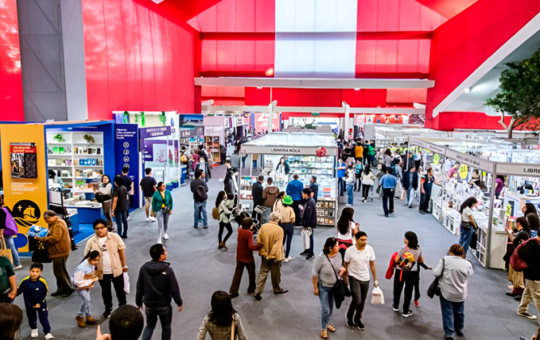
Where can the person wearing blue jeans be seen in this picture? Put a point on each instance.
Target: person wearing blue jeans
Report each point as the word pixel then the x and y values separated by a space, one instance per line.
pixel 453 272
pixel 325 273
pixel 120 206
pixel 468 225
pixel 10 244
pixel 199 210
pixel 388 183
pixel 340 173
pixel 200 196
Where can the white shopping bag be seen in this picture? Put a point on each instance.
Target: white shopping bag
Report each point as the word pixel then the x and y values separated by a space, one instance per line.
pixel 126 283
pixel 306 233
pixel 377 297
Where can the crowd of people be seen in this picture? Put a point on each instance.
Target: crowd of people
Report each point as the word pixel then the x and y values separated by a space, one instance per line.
pixel 346 267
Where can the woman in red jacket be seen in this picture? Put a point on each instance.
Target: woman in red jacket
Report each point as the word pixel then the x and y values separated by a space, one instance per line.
pixel 244 257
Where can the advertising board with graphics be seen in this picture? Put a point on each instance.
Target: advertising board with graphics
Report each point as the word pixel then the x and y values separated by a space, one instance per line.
pixel 25 191
pixel 126 144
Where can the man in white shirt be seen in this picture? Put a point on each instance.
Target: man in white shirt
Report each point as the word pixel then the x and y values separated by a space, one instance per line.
pixel 359 259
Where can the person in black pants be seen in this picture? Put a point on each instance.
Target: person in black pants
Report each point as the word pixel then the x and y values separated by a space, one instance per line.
pixel 388 183
pixel 288 218
pixel 257 193
pixel 425 191
pixel 109 245
pixel 409 261
pixel 309 220
pixel 128 183
pixel 156 287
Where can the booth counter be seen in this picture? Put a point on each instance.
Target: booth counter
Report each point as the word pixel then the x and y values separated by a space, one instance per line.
pixel 307 154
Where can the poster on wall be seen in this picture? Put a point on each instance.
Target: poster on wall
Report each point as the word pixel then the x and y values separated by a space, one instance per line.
pixel 126 145
pixel 23 160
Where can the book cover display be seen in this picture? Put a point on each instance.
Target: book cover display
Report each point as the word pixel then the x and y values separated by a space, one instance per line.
pixel 23 160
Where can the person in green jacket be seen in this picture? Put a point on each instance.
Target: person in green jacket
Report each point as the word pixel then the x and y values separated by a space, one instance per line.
pixel 162 205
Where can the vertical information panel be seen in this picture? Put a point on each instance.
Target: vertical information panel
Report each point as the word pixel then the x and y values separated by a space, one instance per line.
pixel 126 149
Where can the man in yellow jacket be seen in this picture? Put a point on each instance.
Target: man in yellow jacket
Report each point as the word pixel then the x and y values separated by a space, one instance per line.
pixel 271 239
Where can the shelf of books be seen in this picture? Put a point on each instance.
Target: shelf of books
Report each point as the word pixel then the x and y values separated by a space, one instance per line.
pixel 75 157
pixel 212 142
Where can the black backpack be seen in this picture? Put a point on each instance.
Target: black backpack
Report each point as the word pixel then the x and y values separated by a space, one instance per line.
pixel 200 193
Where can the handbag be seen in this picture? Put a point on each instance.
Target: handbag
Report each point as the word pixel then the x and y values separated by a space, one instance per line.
pixel 102 198
pixel 340 289
pixel 41 254
pixel 434 288
pixel 306 234
pixel 6 252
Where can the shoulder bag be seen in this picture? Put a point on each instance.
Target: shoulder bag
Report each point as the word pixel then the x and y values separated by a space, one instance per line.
pixel 41 253
pixel 340 289
pixel 434 287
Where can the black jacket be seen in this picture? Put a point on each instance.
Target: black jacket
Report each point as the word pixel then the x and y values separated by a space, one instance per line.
pixel 406 180
pixel 194 185
pixel 257 192
pixel 206 169
pixel 530 253
pixel 309 218
pixel 157 285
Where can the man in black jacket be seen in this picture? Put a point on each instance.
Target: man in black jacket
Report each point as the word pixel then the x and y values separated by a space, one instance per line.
pixel 257 193
pixel 410 184
pixel 156 287
pixel 200 196
pixel 530 253
pixel 309 220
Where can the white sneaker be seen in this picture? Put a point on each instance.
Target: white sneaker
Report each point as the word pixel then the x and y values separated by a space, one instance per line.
pixel 152 219
pixel 159 241
pixel 18 267
pixel 34 334
pixel 287 259
pixel 128 218
pixel 49 336
pixel 165 236
pixel 148 219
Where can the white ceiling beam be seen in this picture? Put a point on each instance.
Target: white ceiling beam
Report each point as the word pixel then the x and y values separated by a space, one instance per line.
pixel 309 109
pixel 317 83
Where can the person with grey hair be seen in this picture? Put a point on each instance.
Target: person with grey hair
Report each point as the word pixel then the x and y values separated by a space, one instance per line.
pixel 58 244
pixel 270 239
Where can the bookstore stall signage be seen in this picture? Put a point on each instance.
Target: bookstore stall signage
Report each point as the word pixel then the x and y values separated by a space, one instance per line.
pixel 286 150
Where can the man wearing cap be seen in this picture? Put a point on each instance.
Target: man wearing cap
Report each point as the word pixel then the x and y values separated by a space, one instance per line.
pixel 58 245
pixel 288 218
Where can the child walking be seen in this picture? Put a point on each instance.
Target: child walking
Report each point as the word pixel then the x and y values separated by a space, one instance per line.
pixel 84 277
pixel 34 289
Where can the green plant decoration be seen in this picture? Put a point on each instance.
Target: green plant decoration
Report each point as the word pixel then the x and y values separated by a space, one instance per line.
pixel 518 95
pixel 143 119
pixel 136 118
pixel 59 138
pixel 125 117
pixel 90 139
pixel 162 118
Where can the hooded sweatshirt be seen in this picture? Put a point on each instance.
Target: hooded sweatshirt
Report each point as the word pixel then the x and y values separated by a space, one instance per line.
pixel 270 195
pixel 157 285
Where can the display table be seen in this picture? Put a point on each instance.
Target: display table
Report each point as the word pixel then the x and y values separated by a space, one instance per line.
pixel 88 211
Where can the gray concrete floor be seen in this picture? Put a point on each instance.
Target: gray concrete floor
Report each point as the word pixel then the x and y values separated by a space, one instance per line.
pixel 202 269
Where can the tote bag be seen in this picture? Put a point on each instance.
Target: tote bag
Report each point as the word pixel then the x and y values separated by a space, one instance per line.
pixel 6 252
pixel 434 288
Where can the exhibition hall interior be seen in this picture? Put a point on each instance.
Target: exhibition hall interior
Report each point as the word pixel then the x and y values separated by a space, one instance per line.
pixel 269 169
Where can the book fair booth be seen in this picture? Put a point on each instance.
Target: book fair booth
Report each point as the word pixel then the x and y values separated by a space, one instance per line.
pixel 517 165
pixel 307 154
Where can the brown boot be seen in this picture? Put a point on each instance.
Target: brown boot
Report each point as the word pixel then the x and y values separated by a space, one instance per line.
pixel 224 246
pixel 220 245
pixel 80 321
pixel 90 320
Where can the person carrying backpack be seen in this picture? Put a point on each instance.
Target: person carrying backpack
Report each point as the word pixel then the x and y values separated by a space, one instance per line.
pixel 530 253
pixel 200 196
pixel 358 171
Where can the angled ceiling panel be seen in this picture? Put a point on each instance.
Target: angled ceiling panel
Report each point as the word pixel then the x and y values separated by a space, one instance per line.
pixel 447 8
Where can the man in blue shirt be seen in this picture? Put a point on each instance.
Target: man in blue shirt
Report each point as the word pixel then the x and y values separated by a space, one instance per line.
pixel 388 183
pixel 294 189
pixel 314 187
pixel 340 169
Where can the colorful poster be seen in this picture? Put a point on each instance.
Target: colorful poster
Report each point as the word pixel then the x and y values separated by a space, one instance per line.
pixel 126 145
pixel 23 160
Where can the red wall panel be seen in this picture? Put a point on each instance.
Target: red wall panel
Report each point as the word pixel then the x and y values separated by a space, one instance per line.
pixel 136 59
pixel 449 121
pixel 11 96
pixel 463 43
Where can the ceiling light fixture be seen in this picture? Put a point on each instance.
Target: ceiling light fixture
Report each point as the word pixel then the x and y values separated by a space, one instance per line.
pixel 259 87
pixel 357 89
pixel 468 90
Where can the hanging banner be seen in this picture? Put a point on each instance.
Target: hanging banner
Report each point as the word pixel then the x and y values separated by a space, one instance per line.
pixel 126 147
pixel 153 132
pixel 25 190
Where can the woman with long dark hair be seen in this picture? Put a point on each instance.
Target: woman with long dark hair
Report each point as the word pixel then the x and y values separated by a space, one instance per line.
pixel 83 278
pixel 534 224
pixel 106 190
pixel 468 224
pixel 529 208
pixel 11 317
pixel 368 180
pixel 328 268
pixel 517 236
pixel 162 206
pixel 409 260
pixel 224 206
pixel 222 320
pixel 346 228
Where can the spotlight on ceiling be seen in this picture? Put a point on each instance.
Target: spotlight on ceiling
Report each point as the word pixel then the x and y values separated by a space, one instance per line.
pixel 357 89
pixel 158 1
pixel 468 90
pixel 259 87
